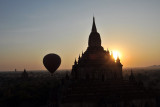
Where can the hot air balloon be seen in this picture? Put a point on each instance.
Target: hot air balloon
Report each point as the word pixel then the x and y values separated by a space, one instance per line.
pixel 51 62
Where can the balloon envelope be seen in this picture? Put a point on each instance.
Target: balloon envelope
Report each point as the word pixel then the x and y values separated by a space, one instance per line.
pixel 51 62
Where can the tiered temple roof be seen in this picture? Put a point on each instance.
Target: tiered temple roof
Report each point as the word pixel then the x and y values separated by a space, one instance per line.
pixel 95 60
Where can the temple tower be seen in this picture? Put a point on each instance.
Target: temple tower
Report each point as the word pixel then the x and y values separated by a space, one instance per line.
pixel 96 63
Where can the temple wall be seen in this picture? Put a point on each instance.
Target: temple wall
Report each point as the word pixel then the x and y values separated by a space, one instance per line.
pixel 99 74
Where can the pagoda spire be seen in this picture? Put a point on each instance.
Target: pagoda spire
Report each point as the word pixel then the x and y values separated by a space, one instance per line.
pixel 75 62
pixel 94 29
pixel 79 58
pixel 82 53
pixel 131 77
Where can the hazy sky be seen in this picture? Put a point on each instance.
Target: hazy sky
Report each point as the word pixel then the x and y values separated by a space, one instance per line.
pixel 30 29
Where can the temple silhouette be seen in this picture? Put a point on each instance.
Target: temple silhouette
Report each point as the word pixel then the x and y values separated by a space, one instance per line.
pixel 96 81
pixel 96 63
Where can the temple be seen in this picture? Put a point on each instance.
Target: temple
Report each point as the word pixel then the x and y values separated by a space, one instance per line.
pixel 96 63
pixel 96 81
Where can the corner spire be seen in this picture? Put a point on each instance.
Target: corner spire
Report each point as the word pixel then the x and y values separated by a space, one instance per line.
pixel 94 29
pixel 131 77
pixel 75 62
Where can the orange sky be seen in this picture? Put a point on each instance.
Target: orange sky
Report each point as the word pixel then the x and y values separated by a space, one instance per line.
pixel 31 29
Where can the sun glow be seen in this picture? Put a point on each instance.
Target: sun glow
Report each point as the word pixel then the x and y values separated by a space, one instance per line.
pixel 116 54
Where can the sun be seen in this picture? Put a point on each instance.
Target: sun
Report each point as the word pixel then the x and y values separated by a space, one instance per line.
pixel 116 54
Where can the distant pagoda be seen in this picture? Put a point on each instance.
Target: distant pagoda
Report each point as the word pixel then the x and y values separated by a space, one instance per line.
pixel 24 75
pixel 96 63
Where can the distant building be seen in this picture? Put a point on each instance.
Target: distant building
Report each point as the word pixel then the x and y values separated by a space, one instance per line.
pixel 24 74
pixel 97 81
